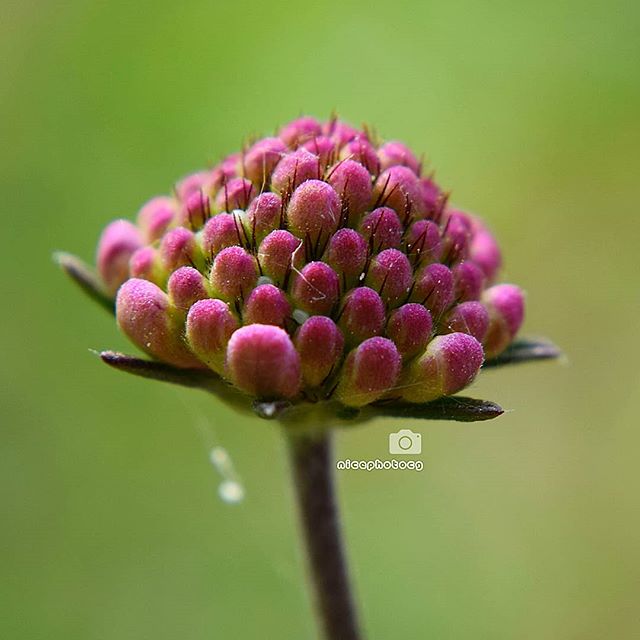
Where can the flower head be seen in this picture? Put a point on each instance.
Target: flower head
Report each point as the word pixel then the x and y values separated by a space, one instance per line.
pixel 318 264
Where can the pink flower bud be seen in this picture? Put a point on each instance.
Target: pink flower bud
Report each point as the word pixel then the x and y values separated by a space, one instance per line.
pixel 235 194
pixel 234 273
pixel 485 252
pixel 210 325
pixel 293 170
pixel 194 183
pixel 263 215
pixel 394 152
pixel 410 327
pixel 340 132
pixel 300 130
pixel 179 248
pixel 369 372
pixel 362 316
pixel 347 253
pixel 398 187
pixel 155 217
pixel 222 231
pixel 434 289
pixel 382 228
pixel 469 280
pixel 431 194
pixel 505 304
pixel 316 288
pixel 224 172
pixel 314 210
pixel 260 161
pixel 352 182
pixel 262 361
pixel 319 343
pixel 118 242
pixel 145 316
pixel 449 364
pixel 267 305
pixel 390 274
pixel 456 238
pixel 195 210
pixel 279 254
pixel 144 263
pixel 186 285
pixel 468 317
pixel 323 147
pixel 423 241
pixel 361 150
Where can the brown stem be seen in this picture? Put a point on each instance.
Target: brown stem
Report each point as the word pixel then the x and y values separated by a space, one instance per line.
pixel 313 470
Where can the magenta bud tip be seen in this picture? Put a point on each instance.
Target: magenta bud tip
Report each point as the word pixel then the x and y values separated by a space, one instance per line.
pixel 262 361
pixel 117 243
pixel 319 343
pixel 267 305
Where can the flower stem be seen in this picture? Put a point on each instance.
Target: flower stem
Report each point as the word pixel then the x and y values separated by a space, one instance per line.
pixel 312 467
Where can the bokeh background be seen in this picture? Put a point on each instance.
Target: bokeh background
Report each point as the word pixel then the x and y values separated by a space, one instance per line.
pixel 526 527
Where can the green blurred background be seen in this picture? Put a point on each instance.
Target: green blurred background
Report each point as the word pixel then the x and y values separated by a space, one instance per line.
pixel 526 527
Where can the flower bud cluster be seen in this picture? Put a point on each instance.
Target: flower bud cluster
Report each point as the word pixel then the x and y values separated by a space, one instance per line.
pixel 317 263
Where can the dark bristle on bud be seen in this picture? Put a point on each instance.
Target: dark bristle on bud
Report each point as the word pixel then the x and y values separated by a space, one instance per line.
pixel 317 264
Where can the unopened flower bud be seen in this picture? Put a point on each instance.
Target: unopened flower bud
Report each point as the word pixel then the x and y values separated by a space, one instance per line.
pixel 410 327
pixel 382 228
pixel 456 238
pixel 222 231
pixel 448 365
pixel 117 243
pixel 319 343
pixel 262 361
pixel 398 187
pixel 468 279
pixel 362 151
pixel 352 182
pixel 300 130
pixel 390 274
pixel 314 210
pixel 144 314
pixel 195 210
pixel 395 153
pixel 144 263
pixel 369 371
pixel 210 325
pixel 434 288
pixel 340 132
pixel 279 254
pixel 467 317
pixel 260 161
pixel 362 315
pixel 347 253
pixel 423 241
pixel 293 170
pixel 155 217
pixel 267 305
pixel 431 195
pixel 194 183
pixel 234 274
pixel 315 288
pixel 263 215
pixel 485 252
pixel 235 194
pixel 186 286
pixel 323 147
pixel 179 248
pixel 505 304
